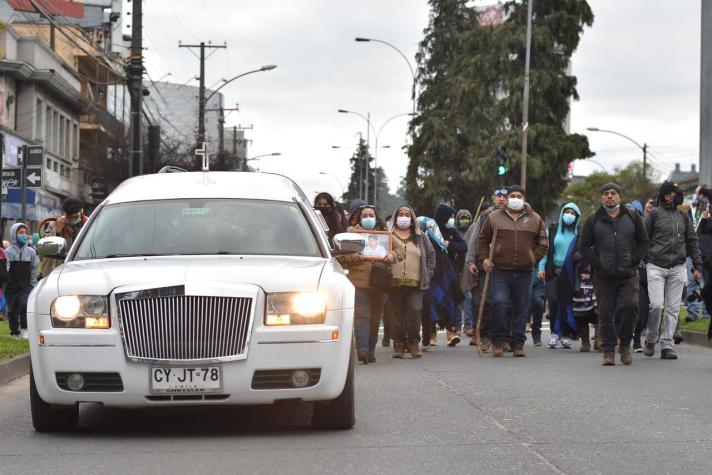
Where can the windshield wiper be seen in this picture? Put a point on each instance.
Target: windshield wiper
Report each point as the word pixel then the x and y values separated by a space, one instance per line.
pixel 110 256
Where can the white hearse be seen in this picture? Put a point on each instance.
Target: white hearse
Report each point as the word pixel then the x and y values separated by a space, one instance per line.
pixel 195 288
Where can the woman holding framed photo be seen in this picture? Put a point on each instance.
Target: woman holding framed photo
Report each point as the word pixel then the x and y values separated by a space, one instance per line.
pixel 369 299
pixel 411 277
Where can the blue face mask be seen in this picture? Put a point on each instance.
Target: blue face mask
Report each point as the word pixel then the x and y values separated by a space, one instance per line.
pixel 21 240
pixel 450 223
pixel 368 223
pixel 569 219
pixel 612 208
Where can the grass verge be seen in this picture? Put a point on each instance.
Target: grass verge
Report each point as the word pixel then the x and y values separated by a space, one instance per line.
pixel 10 347
pixel 700 325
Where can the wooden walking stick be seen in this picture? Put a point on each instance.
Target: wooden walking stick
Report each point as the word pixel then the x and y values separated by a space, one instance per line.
pixel 477 214
pixel 483 299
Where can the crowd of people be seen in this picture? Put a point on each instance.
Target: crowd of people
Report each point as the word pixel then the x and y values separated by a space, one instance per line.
pixel 491 276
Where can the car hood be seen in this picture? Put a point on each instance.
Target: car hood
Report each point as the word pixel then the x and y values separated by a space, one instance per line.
pixel 271 273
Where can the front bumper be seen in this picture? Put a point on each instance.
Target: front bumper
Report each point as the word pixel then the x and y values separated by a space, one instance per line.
pixel 295 347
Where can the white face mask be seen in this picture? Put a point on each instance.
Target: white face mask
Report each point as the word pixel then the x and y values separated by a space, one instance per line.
pixel 403 222
pixel 516 204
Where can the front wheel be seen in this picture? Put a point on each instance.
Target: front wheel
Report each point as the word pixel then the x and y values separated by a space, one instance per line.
pixel 339 413
pixel 48 418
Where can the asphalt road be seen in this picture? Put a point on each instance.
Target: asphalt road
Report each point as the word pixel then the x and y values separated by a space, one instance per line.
pixel 557 411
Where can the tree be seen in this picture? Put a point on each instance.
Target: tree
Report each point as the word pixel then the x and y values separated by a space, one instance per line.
pixel 587 193
pixel 356 186
pixel 471 80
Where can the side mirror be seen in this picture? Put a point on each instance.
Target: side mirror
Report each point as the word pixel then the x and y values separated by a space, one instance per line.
pixel 349 242
pixel 52 246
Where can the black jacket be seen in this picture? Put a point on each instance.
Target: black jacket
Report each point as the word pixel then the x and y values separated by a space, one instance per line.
pixel 672 238
pixel 614 246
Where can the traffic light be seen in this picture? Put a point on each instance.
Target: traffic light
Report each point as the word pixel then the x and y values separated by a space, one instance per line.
pixel 502 167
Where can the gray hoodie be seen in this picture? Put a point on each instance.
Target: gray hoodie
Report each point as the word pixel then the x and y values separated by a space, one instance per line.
pixel 17 253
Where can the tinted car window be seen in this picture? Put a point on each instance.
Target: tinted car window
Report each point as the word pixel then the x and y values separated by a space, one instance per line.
pixel 199 226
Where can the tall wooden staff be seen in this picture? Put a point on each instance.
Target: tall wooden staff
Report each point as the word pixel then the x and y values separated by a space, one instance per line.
pixel 483 299
pixel 479 208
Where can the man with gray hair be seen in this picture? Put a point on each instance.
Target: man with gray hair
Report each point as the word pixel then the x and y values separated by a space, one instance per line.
pixel 614 241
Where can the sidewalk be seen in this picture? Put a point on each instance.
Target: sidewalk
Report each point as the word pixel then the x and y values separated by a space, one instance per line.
pixel 14 368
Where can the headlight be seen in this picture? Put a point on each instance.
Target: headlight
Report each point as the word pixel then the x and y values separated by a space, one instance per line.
pixel 80 311
pixel 295 308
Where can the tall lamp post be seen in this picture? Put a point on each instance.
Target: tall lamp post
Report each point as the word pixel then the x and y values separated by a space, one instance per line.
pixel 378 134
pixel 643 147
pixel 369 128
pixel 525 104
pixel 410 66
pixel 257 157
pixel 343 189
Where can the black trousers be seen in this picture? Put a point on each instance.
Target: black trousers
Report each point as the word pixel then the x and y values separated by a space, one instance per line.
pixel 617 302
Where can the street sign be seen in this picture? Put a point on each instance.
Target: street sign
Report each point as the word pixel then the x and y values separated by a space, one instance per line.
pixel 11 177
pixel 33 177
pixel 35 156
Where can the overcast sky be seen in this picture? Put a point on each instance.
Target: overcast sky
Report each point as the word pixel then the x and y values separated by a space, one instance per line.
pixel 638 69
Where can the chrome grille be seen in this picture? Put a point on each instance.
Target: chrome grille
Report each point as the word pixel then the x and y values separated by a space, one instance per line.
pixel 183 327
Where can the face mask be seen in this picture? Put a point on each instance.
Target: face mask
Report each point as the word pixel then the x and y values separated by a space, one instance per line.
pixel 324 210
pixel 21 240
pixel 368 223
pixel 76 222
pixel 612 208
pixel 403 222
pixel 450 223
pixel 516 204
pixel 569 219
pixel 677 200
pixel 695 200
pixel 464 223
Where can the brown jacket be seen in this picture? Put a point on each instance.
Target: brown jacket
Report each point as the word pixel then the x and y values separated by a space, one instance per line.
pixel 521 243
pixel 360 269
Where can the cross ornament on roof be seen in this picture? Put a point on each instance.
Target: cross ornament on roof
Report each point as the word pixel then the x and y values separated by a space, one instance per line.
pixel 203 152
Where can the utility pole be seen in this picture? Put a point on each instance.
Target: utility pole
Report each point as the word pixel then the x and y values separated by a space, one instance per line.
pixel 368 155
pixel 201 92
pixel 135 79
pixel 221 124
pixel 645 162
pixel 706 94
pixel 525 106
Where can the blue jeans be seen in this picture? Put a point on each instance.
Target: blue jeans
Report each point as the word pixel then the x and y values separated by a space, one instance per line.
pixel 537 305
pixel 469 314
pixel 696 307
pixel 368 307
pixel 513 288
pixel 17 310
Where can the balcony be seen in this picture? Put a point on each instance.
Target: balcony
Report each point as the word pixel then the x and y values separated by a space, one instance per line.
pixel 101 120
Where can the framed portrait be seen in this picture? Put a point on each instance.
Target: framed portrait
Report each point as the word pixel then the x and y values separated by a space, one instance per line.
pixel 378 244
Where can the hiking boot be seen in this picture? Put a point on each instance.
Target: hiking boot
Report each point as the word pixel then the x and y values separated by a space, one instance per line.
pixel 398 349
pixel 386 341
pixel 453 338
pixel 677 337
pixel 518 351
pixel 371 358
pixel 363 357
pixel 507 347
pixel 485 344
pixel 497 349
pixel 649 349
pixel 434 338
pixel 469 331
pixel 626 355
pixel 537 340
pixel 554 341
pixel 609 358
pixel 668 354
pixel 637 348
pixel 415 350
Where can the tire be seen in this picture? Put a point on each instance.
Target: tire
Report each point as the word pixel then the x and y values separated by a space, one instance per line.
pixel 49 418
pixel 339 413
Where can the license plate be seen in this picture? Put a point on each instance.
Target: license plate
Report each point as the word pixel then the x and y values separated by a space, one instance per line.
pixel 198 379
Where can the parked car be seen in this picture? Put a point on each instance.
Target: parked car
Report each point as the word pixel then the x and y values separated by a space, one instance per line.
pixel 201 288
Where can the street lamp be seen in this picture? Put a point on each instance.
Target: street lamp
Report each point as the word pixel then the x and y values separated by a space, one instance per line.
pixel 268 67
pixel 257 157
pixel 375 184
pixel 343 189
pixel 365 169
pixel 410 66
pixel 164 77
pixel 643 147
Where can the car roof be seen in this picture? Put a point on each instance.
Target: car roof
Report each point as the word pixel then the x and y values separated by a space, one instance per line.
pixel 167 186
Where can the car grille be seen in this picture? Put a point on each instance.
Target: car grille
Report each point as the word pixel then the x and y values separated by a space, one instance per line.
pixel 185 328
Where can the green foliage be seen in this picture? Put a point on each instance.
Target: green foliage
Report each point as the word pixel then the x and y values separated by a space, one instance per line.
pixel 471 81
pixel 10 347
pixel 587 193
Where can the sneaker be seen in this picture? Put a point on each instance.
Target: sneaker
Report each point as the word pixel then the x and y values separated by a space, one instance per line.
pixel 518 351
pixel 597 344
pixel 554 341
pixel 668 354
pixel 678 338
pixel 398 349
pixel 507 347
pixel 16 337
pixel 24 334
pixel 371 358
pixel 528 328
pixel 485 344
pixel 649 349
pixel 425 348
pixel 537 340
pixel 565 343
pixel 626 355
pixel 637 348
pixel 453 338
pixel 415 350
pixel 609 358
pixel 497 349
pixel 469 331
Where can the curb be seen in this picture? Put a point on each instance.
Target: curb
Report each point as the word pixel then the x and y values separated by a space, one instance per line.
pixel 696 338
pixel 14 368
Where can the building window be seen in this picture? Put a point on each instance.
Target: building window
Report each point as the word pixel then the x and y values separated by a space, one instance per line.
pixel 57 132
pixel 49 163
pixel 75 142
pixel 55 166
pixel 40 121
pixel 67 139
pixel 48 129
